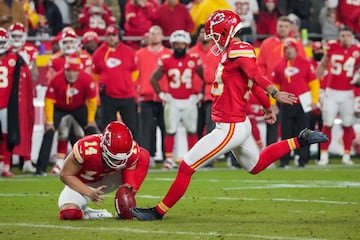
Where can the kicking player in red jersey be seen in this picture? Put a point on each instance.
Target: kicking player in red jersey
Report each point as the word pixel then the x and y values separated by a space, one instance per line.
pixel 236 76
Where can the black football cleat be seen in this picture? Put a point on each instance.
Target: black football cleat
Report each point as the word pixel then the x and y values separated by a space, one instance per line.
pixel 146 214
pixel 307 137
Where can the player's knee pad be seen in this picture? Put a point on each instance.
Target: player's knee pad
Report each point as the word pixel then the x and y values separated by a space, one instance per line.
pixel 71 214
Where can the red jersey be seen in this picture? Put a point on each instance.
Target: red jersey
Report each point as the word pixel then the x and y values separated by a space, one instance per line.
pixel 180 74
pixel 236 75
pixel 294 76
pixel 87 152
pixel 147 62
pixel 71 96
pixel 201 52
pixel 254 108
pixel 29 53
pixel 7 67
pixel 171 18
pixel 139 19
pixel 348 13
pixel 343 63
pixel 325 78
pixel 57 60
pixel 271 52
pixel 115 67
pixel 210 63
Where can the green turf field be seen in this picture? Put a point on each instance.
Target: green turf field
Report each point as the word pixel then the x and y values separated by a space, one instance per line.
pixel 286 204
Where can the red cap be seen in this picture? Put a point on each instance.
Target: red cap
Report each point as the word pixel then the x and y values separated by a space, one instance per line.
pixel 291 42
pixel 73 62
pixel 112 29
pixel 90 36
pixel 271 1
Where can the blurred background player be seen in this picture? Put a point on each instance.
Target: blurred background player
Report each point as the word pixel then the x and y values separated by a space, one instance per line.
pixel 180 102
pixel 71 92
pixel 99 164
pixel 69 43
pixel 90 42
pixel 316 121
pixel 344 59
pixel 140 15
pixel 96 16
pixel 13 69
pixel 151 110
pixel 18 36
pixel 172 15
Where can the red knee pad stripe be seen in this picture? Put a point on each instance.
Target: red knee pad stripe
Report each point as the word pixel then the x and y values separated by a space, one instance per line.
pixel 71 214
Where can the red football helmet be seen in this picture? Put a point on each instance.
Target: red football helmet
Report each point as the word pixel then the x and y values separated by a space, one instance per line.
pixel 117 144
pixel 69 42
pixel 17 34
pixel 221 26
pixel 4 40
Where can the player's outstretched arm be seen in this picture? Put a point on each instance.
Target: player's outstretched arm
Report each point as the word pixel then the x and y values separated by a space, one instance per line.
pixel 281 96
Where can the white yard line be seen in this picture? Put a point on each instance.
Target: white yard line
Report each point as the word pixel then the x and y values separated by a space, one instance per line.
pixel 210 198
pixel 142 231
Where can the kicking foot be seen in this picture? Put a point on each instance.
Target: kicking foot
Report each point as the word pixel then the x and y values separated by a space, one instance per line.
pixel 307 137
pixel 146 214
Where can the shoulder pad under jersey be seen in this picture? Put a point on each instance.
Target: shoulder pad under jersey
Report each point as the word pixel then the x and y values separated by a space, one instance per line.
pixel 241 49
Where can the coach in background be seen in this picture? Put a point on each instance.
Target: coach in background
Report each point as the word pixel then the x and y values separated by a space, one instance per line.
pixel 114 65
pixel 295 74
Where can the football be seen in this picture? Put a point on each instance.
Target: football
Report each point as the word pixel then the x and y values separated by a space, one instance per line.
pixel 124 201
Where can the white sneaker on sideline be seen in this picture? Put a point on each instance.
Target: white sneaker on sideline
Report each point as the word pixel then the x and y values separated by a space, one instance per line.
pixel 28 167
pixel 324 159
pixel 296 160
pixel 169 164
pixel 89 213
pixel 347 160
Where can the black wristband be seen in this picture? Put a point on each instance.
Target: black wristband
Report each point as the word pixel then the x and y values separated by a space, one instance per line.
pixel 274 92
